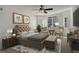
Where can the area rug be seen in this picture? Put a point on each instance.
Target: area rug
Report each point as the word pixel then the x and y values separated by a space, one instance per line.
pixel 23 49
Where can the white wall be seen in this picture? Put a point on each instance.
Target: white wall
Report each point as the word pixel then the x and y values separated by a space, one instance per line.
pixel 6 19
pixel 42 20
pixel 67 14
pixel 1 14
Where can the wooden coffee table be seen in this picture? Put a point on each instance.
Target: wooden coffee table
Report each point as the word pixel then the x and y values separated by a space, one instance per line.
pixel 50 42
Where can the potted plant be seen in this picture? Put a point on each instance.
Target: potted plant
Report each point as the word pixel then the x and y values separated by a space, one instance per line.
pixel 38 28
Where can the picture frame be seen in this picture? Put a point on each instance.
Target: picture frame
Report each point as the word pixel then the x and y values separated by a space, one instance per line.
pixel 26 19
pixel 17 18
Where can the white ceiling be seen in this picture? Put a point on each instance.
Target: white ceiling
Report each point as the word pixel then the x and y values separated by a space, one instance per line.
pixel 55 7
pixel 32 7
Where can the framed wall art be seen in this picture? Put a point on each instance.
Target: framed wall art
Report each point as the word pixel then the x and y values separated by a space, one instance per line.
pixel 17 18
pixel 26 19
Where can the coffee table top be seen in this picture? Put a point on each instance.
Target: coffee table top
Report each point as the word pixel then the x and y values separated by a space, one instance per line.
pixel 51 38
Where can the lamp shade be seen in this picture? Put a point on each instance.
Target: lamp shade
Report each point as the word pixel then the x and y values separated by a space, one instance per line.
pixel 14 35
pixel 56 24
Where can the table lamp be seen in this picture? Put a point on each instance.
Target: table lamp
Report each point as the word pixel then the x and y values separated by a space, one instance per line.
pixel 9 31
pixel 56 24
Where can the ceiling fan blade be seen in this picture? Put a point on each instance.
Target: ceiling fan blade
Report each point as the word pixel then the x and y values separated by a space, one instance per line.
pixel 45 11
pixel 49 9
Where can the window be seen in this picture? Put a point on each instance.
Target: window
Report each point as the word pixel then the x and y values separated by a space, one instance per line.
pixel 52 21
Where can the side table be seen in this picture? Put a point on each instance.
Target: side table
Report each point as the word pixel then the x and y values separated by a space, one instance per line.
pixel 9 42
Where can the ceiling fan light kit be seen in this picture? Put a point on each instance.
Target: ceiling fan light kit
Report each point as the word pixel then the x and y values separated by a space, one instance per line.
pixel 42 9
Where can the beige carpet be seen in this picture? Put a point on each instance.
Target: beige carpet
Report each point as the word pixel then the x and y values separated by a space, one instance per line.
pixel 65 48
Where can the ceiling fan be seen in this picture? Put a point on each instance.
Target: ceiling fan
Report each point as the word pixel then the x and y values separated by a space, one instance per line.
pixel 43 9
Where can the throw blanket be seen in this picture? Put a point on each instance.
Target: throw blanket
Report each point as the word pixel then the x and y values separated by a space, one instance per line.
pixel 38 37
